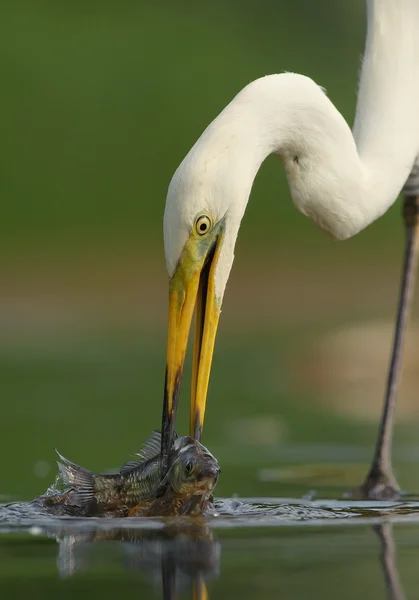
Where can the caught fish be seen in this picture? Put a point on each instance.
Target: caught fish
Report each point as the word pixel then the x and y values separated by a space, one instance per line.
pixel 190 480
pixel 138 487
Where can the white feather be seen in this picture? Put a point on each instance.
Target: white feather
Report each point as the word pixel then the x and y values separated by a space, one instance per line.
pixel 342 181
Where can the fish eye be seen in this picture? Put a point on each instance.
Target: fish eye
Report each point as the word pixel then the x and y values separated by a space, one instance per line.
pixel 203 224
pixel 188 468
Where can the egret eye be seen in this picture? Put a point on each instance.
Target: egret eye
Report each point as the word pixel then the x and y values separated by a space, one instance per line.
pixel 203 225
pixel 188 468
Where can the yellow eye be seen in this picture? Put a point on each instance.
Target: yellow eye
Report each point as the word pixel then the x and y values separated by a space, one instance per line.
pixel 203 225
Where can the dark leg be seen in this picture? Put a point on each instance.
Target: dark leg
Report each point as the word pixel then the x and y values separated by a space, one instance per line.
pixel 380 483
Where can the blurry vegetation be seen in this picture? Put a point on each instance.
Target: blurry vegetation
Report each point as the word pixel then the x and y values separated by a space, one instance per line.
pixel 100 102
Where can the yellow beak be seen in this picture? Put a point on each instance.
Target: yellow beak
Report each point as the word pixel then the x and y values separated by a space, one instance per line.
pixel 192 287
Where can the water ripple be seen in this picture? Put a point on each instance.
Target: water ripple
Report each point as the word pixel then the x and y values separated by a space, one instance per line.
pixel 229 513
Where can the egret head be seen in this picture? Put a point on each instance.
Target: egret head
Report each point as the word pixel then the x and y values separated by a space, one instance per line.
pixel 201 223
pixel 205 204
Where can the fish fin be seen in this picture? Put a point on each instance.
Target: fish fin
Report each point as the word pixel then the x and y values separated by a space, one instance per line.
pixel 129 466
pixel 151 447
pixel 81 498
pixel 79 479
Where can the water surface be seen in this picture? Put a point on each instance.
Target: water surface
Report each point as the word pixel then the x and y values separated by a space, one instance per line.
pixel 251 548
pixel 285 457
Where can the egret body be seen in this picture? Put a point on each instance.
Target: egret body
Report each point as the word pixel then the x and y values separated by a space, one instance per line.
pixel 342 180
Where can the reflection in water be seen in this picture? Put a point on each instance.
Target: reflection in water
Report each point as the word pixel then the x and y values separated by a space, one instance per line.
pixel 389 561
pixel 183 556
pixel 175 559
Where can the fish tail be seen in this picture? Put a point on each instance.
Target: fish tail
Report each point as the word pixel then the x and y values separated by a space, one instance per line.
pixel 81 481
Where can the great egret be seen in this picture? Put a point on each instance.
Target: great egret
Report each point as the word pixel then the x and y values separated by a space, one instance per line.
pixel 342 181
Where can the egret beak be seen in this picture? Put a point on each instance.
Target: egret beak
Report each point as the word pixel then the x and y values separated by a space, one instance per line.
pixel 192 287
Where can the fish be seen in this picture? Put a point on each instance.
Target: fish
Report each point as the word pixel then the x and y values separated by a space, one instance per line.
pixel 188 486
pixel 139 487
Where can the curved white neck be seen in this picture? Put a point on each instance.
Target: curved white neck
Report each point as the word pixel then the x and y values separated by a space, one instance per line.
pixel 342 181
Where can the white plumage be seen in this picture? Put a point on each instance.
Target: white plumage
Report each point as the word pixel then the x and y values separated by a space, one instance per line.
pixel 342 181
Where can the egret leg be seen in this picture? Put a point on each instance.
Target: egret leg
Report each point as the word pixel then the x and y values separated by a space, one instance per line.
pixel 380 483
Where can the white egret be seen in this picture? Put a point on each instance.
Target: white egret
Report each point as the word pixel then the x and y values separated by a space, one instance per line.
pixel 342 180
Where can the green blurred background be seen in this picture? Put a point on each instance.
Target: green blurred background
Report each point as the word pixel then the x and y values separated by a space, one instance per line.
pixel 100 102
